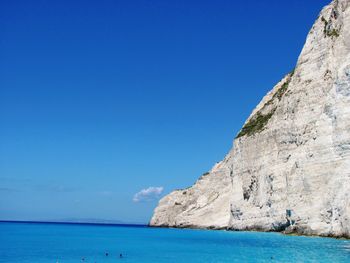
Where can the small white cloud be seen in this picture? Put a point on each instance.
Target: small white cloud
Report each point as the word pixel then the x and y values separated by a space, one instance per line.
pixel 148 194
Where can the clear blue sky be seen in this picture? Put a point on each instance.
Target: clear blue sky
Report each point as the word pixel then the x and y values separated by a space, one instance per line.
pixel 101 99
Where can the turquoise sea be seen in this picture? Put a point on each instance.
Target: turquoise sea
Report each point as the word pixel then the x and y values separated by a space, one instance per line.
pixel 46 242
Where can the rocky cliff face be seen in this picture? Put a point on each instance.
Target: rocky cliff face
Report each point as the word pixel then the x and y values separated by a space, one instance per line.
pixel 289 168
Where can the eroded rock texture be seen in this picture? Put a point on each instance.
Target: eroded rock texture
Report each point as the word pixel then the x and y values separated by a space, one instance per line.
pixel 289 168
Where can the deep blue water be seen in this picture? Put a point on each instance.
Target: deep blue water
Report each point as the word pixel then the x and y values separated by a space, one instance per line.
pixel 42 243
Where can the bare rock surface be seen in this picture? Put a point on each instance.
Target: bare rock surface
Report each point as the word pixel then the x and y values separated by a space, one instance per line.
pixel 289 168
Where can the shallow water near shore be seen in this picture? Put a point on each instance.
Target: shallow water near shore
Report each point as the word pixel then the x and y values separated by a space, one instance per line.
pixel 42 243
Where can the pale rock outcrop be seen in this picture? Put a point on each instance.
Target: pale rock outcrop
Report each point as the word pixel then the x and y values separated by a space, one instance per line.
pixel 204 205
pixel 289 168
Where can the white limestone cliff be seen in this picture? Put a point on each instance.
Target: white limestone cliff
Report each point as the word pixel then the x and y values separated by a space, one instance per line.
pixel 289 168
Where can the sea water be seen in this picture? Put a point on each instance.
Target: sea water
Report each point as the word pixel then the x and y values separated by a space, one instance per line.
pixel 43 243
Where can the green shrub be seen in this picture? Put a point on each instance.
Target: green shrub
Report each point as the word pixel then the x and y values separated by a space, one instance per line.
pixel 333 33
pixel 327 31
pixel 255 124
pixel 258 122
pixel 280 92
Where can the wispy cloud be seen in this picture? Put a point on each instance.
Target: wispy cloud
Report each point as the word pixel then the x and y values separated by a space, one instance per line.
pixel 54 188
pixel 9 179
pixel 148 194
pixel 8 189
pixel 25 185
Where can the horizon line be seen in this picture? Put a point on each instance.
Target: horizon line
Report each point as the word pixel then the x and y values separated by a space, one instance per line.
pixel 74 223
